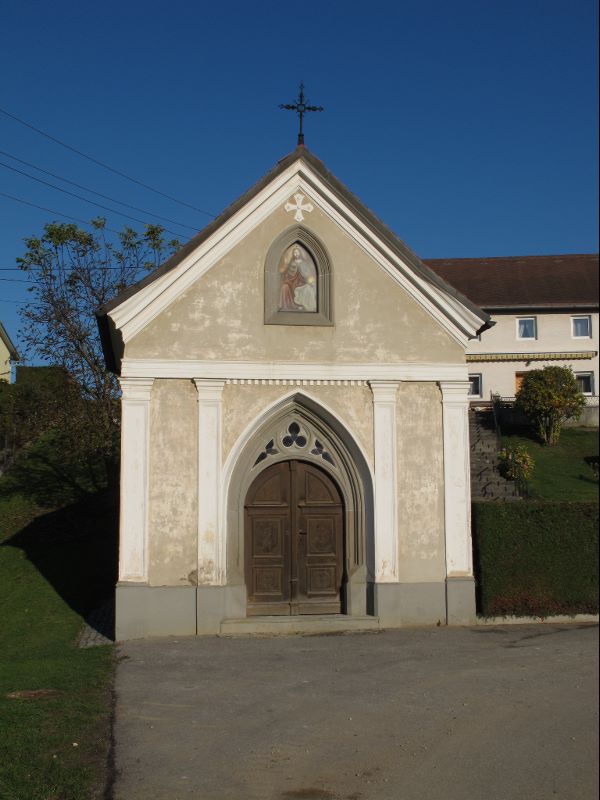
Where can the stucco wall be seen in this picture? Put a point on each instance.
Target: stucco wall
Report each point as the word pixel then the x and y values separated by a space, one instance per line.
pixel 173 491
pixel 420 483
pixel 243 403
pixel 174 468
pixel 221 316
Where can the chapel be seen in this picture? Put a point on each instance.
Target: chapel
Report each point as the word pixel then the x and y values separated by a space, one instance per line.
pixel 295 450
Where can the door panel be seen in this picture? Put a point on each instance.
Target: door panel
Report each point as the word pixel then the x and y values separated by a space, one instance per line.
pixel 294 541
pixel 267 545
pixel 317 488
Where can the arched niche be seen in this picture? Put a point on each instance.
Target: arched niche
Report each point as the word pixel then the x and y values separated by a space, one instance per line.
pixel 298 284
pixel 298 427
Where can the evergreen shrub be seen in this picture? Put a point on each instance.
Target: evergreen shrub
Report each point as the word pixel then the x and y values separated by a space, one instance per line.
pixel 536 558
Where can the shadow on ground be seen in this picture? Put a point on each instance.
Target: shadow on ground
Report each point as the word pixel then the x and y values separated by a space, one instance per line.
pixel 75 549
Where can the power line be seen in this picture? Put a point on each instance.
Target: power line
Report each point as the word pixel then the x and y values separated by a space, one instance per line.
pixel 93 191
pixel 51 211
pixel 15 280
pixel 80 197
pixel 102 164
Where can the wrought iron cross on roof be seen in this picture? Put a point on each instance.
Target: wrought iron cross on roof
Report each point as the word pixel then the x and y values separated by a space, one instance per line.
pixel 301 108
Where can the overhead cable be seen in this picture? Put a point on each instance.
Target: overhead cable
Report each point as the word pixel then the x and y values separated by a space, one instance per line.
pixel 99 194
pixel 51 211
pixel 102 163
pixel 80 197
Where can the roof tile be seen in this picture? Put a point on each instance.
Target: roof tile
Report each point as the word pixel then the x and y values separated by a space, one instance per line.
pixel 555 281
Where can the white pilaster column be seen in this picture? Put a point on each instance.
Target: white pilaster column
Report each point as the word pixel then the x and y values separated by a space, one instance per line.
pixel 457 478
pixel 386 506
pixel 211 547
pixel 135 441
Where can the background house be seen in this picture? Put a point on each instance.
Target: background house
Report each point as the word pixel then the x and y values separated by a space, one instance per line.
pixel 8 353
pixel 546 312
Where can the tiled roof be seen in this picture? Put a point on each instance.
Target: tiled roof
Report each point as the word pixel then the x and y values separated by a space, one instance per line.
pixel 564 281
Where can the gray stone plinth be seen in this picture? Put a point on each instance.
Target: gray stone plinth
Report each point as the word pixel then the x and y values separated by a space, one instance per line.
pixel 143 611
pixel 398 604
pixel 216 603
pixel 460 601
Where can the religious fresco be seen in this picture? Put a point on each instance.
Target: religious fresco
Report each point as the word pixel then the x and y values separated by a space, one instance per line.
pixel 298 280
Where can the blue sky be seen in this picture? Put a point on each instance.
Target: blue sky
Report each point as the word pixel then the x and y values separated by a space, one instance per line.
pixel 470 127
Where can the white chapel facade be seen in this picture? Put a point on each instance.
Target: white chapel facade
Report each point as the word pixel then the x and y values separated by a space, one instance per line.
pixel 294 423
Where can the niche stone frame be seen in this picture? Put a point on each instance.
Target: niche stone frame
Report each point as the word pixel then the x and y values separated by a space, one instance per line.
pixel 324 307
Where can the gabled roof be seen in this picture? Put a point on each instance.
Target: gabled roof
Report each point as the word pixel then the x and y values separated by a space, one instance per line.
pixel 380 237
pixel 12 350
pixel 524 282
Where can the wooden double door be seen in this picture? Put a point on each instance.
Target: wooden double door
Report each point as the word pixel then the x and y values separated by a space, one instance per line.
pixel 294 521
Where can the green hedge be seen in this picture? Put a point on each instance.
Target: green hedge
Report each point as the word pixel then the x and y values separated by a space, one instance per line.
pixel 536 558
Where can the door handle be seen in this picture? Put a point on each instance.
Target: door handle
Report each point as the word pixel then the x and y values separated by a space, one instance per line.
pixel 302 533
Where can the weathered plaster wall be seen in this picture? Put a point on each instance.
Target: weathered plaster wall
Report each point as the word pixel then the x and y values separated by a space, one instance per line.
pixel 173 468
pixel 420 482
pixel 173 491
pixel 221 316
pixel 242 403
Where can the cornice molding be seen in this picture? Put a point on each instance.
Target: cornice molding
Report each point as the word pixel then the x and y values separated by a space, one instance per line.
pixel 280 373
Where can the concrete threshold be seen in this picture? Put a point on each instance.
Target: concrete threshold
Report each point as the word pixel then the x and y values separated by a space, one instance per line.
pixel 557 619
pixel 302 624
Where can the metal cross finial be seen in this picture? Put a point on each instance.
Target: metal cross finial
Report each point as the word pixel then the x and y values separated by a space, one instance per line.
pixel 301 107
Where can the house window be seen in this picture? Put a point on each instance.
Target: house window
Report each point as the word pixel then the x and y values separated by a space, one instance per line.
pixel 581 327
pixel 585 381
pixel 526 328
pixel 475 385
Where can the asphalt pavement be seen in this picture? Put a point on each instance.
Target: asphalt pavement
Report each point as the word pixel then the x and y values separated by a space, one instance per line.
pixel 485 713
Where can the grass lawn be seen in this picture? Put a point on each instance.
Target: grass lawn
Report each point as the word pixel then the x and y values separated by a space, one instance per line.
pixel 55 565
pixel 561 472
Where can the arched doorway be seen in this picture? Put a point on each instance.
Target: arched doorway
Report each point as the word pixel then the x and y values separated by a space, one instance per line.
pixel 294 541
pixel 298 427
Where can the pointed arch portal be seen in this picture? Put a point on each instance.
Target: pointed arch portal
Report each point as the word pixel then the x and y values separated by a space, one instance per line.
pixel 299 467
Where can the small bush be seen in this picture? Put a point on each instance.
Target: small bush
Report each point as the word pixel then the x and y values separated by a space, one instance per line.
pixel 516 464
pixel 548 397
pixel 536 559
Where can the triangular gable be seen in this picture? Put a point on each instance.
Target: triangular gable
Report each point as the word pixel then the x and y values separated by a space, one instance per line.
pixel 125 316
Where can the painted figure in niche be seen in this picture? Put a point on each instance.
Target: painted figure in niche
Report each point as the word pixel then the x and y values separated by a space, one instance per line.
pixel 298 287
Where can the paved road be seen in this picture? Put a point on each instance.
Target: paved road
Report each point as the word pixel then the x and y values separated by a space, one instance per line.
pixel 460 714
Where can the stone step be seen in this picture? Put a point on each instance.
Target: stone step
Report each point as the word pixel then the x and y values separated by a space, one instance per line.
pixel 494 489
pixel 493 499
pixel 486 481
pixel 303 624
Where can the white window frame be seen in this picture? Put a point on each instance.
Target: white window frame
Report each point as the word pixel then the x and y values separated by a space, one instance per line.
pixel 581 316
pixel 591 376
pixel 476 375
pixel 535 330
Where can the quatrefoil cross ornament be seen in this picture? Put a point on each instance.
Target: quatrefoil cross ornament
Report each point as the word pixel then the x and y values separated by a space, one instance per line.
pixel 299 206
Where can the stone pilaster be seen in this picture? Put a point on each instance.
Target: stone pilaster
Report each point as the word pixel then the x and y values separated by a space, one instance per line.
pixel 460 588
pixel 386 506
pixel 211 547
pixel 135 435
